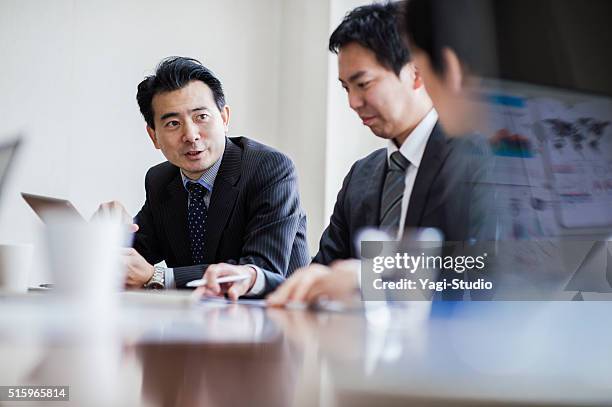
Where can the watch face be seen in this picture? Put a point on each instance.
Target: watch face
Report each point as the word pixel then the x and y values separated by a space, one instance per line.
pixel 155 286
pixel 157 280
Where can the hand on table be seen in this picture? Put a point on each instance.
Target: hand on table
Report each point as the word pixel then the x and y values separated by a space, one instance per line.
pixel 314 282
pixel 235 289
pixel 138 270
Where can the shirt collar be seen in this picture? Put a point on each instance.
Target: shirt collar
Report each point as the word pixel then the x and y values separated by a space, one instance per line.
pixel 207 179
pixel 414 145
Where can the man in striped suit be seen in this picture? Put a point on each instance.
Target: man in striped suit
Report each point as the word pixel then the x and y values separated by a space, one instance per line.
pixel 219 206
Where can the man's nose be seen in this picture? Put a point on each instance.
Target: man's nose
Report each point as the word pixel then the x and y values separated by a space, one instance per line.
pixel 192 132
pixel 355 101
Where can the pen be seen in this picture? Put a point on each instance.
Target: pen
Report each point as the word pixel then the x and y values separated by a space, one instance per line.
pixel 220 280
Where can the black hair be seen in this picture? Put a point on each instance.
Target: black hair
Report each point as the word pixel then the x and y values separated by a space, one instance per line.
pixel 374 27
pixel 465 26
pixel 175 73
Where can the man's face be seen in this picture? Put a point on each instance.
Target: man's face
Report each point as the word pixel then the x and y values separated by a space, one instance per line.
pixel 457 115
pixel 189 128
pixel 389 105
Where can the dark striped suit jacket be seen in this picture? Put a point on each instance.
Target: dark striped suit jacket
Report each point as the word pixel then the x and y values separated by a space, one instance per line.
pixel 254 216
pixel 443 196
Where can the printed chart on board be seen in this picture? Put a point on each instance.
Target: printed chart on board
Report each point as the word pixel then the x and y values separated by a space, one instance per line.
pixel 553 164
pixel 522 187
pixel 578 143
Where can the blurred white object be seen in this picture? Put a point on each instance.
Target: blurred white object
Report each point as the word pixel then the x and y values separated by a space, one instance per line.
pixel 85 259
pixel 429 235
pixel 15 264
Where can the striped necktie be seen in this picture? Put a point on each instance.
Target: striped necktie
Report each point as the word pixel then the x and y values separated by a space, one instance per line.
pixel 393 191
pixel 196 220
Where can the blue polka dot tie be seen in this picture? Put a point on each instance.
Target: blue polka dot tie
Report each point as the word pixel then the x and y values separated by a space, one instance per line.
pixel 196 220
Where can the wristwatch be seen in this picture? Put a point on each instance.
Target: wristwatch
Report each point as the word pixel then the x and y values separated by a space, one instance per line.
pixel 157 279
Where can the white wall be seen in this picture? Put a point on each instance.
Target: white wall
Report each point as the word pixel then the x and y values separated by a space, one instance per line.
pixel 302 103
pixel 347 138
pixel 68 80
pixel 316 127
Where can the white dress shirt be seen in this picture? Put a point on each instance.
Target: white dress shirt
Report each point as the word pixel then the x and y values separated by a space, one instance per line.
pixel 413 149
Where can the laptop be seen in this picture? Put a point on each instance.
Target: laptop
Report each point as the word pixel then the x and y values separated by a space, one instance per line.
pixel 41 205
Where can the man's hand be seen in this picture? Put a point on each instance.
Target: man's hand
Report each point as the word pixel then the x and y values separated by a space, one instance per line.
pixel 139 271
pixel 307 285
pixel 234 289
pixel 114 210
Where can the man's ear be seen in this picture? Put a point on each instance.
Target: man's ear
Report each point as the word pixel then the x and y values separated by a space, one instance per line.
pixel 225 116
pixel 453 71
pixel 152 136
pixel 418 79
pixel 409 73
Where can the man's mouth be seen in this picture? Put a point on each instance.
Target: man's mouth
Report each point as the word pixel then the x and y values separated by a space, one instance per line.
pixel 194 154
pixel 367 120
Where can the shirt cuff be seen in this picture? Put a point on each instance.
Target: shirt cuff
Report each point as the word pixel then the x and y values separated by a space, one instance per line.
pixel 260 281
pixel 169 278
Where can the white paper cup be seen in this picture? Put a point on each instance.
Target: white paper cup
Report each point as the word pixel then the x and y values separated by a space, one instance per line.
pixel 85 259
pixel 15 264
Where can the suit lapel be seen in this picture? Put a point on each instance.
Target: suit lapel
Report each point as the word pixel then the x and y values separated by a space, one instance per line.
pixel 373 191
pixel 174 210
pixel 222 200
pixel 434 155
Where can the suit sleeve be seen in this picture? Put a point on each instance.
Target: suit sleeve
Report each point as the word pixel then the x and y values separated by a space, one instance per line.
pixel 185 274
pixel 336 241
pixel 274 218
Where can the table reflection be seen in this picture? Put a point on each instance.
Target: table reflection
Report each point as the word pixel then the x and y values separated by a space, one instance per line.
pixel 210 354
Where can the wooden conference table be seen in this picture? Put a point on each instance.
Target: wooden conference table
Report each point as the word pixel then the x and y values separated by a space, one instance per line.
pixel 167 350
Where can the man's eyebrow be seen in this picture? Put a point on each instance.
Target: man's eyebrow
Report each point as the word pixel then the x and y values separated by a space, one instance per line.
pixel 175 114
pixel 168 115
pixel 356 76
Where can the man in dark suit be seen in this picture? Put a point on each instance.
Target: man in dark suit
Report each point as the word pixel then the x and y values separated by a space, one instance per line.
pixel 405 185
pixel 219 207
